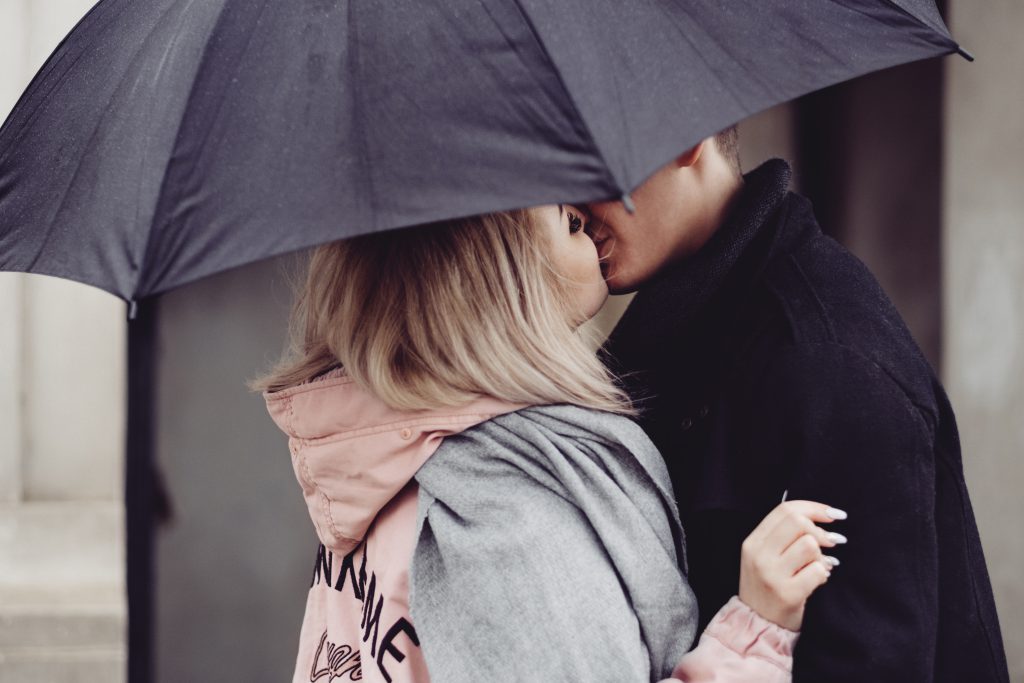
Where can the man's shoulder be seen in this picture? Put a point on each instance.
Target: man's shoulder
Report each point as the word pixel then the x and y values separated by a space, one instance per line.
pixel 826 301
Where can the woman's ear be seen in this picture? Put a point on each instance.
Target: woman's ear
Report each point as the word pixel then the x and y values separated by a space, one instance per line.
pixel 690 156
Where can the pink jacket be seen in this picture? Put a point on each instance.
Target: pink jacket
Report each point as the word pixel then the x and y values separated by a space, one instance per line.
pixel 355 460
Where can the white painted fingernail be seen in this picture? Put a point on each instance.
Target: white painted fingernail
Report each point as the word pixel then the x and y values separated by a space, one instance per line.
pixel 835 513
pixel 834 561
pixel 838 539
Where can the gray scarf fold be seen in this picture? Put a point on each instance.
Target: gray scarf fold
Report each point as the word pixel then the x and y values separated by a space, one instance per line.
pixel 549 549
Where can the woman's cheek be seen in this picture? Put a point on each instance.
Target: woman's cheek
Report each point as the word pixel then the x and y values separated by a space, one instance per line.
pixel 598 294
pixel 600 287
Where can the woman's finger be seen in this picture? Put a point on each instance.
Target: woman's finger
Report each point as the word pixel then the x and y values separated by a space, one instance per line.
pixel 810 578
pixel 791 528
pixel 824 539
pixel 799 554
pixel 790 520
pixel 818 512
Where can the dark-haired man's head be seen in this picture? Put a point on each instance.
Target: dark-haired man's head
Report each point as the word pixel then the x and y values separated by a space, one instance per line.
pixel 677 210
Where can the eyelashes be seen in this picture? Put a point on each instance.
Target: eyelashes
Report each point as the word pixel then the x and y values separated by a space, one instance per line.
pixel 575 222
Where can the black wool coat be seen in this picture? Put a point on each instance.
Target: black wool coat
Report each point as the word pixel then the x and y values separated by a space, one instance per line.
pixel 772 362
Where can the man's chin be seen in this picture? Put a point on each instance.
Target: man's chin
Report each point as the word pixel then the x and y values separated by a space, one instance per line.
pixel 617 284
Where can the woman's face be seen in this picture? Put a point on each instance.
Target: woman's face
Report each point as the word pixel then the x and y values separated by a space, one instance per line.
pixel 574 255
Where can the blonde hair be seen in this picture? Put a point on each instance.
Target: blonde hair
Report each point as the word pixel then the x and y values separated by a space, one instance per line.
pixel 437 315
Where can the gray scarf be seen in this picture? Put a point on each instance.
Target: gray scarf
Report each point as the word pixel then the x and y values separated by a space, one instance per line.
pixel 549 549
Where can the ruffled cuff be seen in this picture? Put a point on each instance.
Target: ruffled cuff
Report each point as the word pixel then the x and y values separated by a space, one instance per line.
pixel 747 633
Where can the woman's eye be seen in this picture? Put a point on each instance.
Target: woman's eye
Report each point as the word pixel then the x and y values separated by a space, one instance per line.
pixel 575 222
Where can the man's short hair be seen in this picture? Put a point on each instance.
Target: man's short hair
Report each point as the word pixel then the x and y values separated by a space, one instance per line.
pixel 728 143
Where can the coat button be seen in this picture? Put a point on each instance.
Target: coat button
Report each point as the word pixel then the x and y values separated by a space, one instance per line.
pixel 686 424
pixel 405 433
pixel 704 411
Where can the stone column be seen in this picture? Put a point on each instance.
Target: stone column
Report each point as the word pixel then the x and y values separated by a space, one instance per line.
pixel 62 611
pixel 984 283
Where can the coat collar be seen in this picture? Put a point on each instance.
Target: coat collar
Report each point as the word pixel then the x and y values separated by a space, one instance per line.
pixel 662 310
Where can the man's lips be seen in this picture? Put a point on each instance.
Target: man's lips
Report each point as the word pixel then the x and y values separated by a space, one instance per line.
pixel 604 249
pixel 603 242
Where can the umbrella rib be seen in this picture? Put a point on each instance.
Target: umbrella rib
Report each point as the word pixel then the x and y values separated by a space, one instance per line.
pixel 355 64
pixel 51 63
pixel 145 155
pixel 725 82
pixel 185 111
pixel 81 157
pixel 910 14
pixel 932 32
pixel 620 186
pixel 496 71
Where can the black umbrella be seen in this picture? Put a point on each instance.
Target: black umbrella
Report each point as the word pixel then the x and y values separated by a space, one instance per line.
pixel 165 140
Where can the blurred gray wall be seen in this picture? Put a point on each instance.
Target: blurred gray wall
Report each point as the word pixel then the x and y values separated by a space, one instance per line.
pixel 870 158
pixel 234 561
pixel 983 267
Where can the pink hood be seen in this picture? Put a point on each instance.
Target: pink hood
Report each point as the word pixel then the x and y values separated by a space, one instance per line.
pixel 352 454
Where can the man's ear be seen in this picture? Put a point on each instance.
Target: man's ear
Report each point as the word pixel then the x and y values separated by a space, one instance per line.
pixel 690 156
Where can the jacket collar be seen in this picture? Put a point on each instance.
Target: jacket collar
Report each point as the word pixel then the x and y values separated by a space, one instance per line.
pixel 663 309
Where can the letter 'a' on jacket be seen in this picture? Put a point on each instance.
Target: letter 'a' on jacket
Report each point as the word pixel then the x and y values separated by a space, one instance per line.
pixel 499 542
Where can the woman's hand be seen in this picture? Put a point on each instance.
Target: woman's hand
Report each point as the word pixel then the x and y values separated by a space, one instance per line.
pixel 782 563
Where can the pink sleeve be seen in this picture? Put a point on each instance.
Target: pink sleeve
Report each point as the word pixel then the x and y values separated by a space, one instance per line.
pixel 738 646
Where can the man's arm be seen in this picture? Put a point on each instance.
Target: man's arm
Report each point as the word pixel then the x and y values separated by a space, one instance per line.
pixel 857 442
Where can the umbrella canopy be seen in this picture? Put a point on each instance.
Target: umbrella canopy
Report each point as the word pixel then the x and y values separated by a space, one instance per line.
pixel 165 140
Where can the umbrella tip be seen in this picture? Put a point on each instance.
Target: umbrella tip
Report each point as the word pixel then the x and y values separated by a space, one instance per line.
pixel 133 309
pixel 964 53
pixel 627 202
